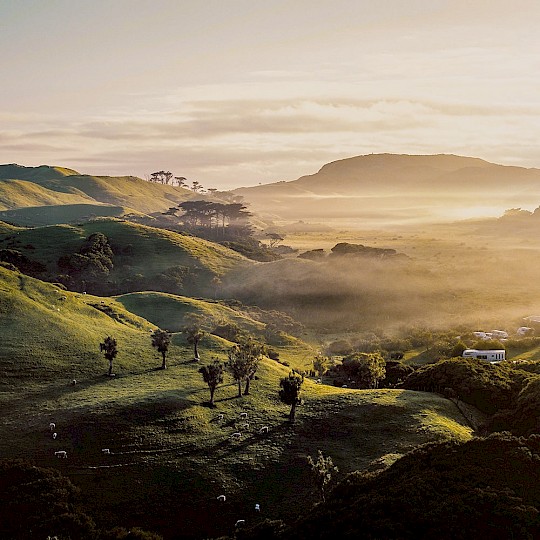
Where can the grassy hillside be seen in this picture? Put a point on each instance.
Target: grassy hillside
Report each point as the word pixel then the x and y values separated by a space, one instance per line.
pixel 43 172
pixel 170 454
pixel 40 216
pixel 142 254
pixel 126 191
pixel 22 193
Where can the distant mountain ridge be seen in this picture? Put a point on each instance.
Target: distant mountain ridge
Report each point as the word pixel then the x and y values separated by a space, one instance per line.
pixel 394 184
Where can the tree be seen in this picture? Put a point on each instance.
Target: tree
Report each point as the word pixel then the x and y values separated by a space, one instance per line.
pixel 290 391
pixel 161 339
pixel 181 181
pixel 243 362
pixel 194 332
pixel 321 364
pixel 213 377
pixel 274 239
pixel 366 368
pixel 322 470
pixel 109 348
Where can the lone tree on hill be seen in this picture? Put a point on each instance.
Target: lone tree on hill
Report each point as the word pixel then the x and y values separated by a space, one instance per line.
pixel 161 339
pixel 194 332
pixel 290 391
pixel 109 348
pixel 213 377
pixel 322 470
pixel 244 361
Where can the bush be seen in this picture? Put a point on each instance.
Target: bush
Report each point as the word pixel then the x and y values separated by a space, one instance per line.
pixel 487 386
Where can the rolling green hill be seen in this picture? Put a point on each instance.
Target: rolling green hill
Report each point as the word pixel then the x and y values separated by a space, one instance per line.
pixel 40 216
pixel 170 454
pixel 23 193
pixel 144 257
pixel 126 191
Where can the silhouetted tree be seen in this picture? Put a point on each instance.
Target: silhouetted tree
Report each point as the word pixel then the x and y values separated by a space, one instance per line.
pixel 322 470
pixel 161 339
pixel 213 377
pixel 274 239
pixel 108 346
pixel 290 391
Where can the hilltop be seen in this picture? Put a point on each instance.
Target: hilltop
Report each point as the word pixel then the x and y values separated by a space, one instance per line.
pixel 397 187
pixel 35 186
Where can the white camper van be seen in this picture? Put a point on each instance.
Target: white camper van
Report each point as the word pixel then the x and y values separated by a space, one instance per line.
pixel 492 356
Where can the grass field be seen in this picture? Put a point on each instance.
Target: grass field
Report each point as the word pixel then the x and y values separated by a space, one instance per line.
pixel 170 454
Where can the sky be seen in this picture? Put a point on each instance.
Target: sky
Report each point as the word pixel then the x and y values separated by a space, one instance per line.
pixel 240 92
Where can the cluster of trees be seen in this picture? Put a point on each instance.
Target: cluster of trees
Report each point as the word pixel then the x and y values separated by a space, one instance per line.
pixel 213 220
pixel 90 265
pixel 357 370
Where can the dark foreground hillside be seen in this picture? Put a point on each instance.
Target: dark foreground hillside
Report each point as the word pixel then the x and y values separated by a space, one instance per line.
pixel 482 489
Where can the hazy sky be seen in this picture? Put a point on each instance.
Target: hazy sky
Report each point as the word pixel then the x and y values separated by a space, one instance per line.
pixel 237 92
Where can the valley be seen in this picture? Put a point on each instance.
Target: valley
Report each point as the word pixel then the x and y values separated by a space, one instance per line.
pixel 146 448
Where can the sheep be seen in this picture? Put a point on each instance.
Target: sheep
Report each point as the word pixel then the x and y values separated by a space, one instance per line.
pixel 243 415
pixel 236 435
pixel 244 426
pixel 264 429
pixel 257 507
pixel 106 450
pixel 61 454
pixel 221 498
pixel 318 381
pixel 240 523
pixel 54 435
pixel 73 382
pixel 52 426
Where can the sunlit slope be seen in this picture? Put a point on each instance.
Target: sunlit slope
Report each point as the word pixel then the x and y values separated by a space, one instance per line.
pixel 399 188
pixel 22 193
pixel 49 333
pixel 40 216
pixel 32 174
pixel 140 252
pixel 168 311
pixel 126 191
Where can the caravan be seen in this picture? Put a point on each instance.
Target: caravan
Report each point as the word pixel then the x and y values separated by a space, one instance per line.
pixel 492 356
